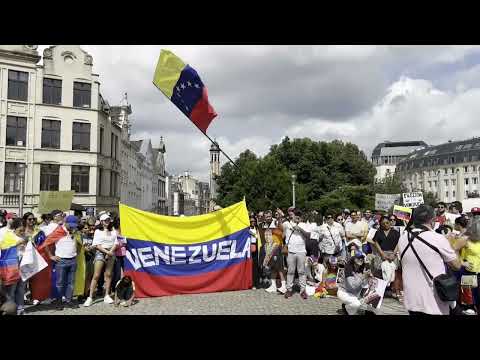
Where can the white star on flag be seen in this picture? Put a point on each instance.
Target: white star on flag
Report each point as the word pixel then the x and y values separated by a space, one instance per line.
pixel 182 86
pixel 189 83
pixel 197 86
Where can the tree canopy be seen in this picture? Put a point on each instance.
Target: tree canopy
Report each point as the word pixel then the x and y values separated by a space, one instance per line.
pixel 329 175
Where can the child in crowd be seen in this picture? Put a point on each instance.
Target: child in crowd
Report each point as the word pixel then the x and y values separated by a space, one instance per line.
pixel 125 292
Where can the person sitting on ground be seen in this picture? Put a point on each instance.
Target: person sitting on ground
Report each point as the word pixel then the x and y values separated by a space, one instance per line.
pixel 125 291
pixel 356 278
pixel 330 276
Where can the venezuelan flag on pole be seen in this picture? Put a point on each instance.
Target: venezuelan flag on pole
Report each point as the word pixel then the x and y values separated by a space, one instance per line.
pixel 187 255
pixel 181 84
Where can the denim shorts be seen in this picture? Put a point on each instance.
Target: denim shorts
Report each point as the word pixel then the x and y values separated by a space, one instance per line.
pixel 100 256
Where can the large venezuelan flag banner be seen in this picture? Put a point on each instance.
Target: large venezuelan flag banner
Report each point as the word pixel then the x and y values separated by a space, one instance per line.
pixel 187 255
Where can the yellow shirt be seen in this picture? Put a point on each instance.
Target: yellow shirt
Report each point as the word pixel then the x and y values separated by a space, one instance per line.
pixel 471 253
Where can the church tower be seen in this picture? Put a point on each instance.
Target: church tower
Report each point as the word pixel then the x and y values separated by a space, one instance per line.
pixel 214 170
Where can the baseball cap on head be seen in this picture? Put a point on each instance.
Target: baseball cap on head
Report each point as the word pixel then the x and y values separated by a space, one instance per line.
pixel 104 217
pixel 475 210
pixel 359 255
pixel 346 211
pixel 72 221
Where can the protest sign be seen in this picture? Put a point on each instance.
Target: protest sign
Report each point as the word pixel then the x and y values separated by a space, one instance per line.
pixel 413 200
pixel 373 295
pixel 402 213
pixel 55 200
pixel 386 201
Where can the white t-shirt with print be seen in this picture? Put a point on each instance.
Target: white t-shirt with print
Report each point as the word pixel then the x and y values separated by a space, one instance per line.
pixel 66 247
pixel 106 241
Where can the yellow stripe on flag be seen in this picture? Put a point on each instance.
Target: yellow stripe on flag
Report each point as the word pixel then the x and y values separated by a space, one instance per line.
pixel 168 71
pixel 141 225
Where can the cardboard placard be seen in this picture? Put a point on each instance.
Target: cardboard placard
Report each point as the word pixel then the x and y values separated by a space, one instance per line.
pixel 386 201
pixel 413 200
pixel 55 200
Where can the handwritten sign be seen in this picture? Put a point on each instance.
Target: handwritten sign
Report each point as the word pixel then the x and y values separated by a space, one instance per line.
pixel 413 200
pixel 55 200
pixel 386 201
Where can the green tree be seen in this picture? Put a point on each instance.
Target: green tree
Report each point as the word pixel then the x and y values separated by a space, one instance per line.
pixel 329 175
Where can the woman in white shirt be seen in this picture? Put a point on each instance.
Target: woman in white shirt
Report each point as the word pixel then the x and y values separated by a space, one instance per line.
pixel 105 242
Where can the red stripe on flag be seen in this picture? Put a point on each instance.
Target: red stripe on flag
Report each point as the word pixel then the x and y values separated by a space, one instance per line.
pixel 203 113
pixel 56 235
pixel 41 282
pixel 235 277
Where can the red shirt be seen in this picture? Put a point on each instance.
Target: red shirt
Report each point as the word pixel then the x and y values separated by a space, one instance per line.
pixel 441 219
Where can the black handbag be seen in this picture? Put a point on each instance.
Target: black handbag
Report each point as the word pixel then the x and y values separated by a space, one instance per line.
pixel 446 285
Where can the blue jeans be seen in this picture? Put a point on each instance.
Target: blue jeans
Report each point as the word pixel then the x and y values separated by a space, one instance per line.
pixel 65 271
pixel 16 293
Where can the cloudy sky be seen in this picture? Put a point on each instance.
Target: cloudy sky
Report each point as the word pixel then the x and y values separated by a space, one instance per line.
pixel 361 94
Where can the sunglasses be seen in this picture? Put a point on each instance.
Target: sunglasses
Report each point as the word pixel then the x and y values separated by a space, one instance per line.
pixel 329 217
pixel 393 219
pixel 30 219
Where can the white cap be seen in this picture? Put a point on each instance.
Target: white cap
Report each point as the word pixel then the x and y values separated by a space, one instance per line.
pixel 104 217
pixel 217 207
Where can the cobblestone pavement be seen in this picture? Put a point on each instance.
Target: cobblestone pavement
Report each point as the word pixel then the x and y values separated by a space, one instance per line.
pixel 249 302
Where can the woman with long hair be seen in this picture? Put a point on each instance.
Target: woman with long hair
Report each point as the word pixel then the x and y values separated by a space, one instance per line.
pixel 105 241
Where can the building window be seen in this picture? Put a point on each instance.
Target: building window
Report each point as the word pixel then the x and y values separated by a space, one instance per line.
pixel 100 175
pixel 82 94
pixel 466 181
pixel 475 180
pixel 446 182
pixel 453 194
pixel 13 174
pixel 101 140
pixel 52 91
pixel 435 183
pixel 474 168
pixel 17 85
pixel 51 134
pixel 446 194
pixel 453 170
pixel 454 182
pixel 81 136
pixel 16 131
pixel 466 169
pixel 113 146
pixel 49 175
pixel 80 179
pixel 429 185
pixel 113 184
pixel 446 171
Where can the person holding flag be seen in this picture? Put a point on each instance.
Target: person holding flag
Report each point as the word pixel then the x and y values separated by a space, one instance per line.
pixel 64 257
pixel 12 246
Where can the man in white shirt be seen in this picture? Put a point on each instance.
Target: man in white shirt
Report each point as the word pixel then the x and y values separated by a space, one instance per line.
pixel 296 236
pixel 65 259
pixel 356 229
pixel 331 237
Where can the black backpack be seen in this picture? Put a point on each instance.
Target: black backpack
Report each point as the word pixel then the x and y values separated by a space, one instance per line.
pixel 446 285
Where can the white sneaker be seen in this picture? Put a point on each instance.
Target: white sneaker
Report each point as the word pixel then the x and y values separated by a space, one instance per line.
pixel 272 288
pixel 64 299
pixel 282 289
pixel 108 300
pixel 88 302
pixel 36 302
pixel 469 312
pixel 123 303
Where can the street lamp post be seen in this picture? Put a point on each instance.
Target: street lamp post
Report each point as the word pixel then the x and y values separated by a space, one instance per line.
pixel 294 177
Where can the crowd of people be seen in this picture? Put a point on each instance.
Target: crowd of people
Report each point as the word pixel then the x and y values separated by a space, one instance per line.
pixel 430 264
pixel 84 260
pixel 342 254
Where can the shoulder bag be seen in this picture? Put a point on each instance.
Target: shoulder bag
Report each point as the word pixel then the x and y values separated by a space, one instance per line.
pixel 446 285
